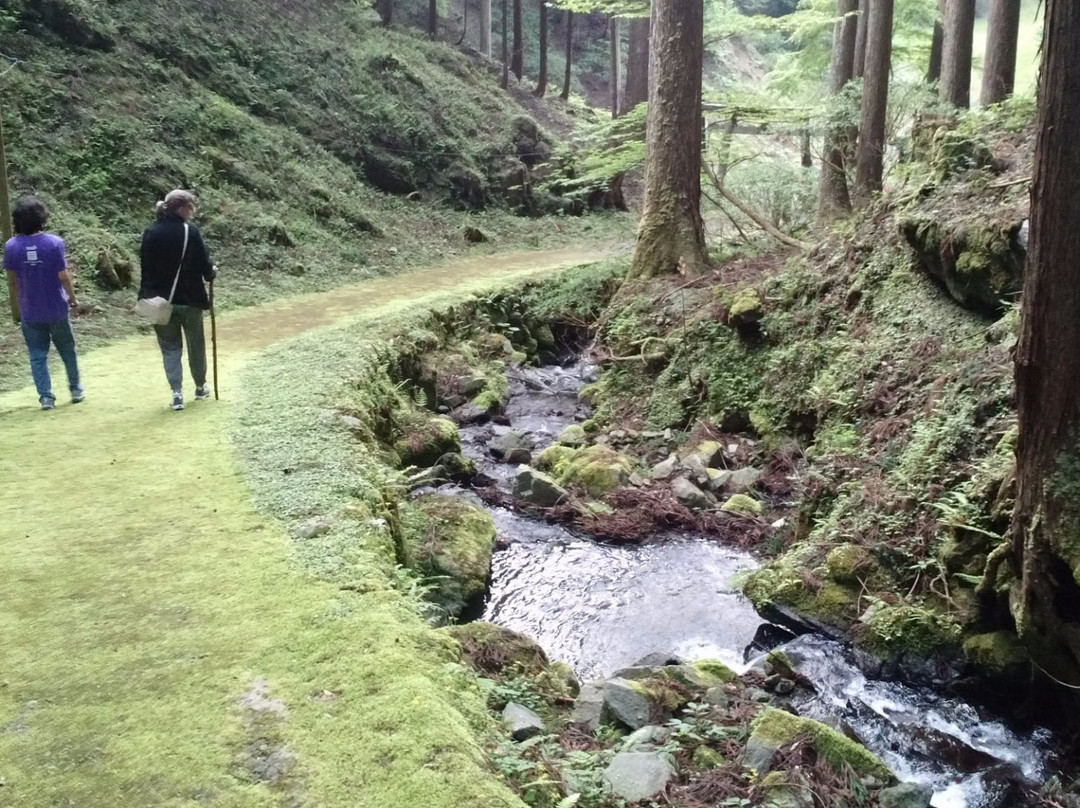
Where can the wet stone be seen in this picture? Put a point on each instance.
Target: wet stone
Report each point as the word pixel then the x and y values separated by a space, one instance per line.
pixel 522 722
pixel 690 495
pixel 906 795
pixel 589 705
pixel 537 488
pixel 637 776
pixel 743 480
pixel 626 703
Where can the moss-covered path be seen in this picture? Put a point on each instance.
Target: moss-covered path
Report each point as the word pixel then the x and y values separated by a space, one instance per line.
pixel 157 644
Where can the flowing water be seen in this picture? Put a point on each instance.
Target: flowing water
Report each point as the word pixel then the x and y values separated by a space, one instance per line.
pixel 600 608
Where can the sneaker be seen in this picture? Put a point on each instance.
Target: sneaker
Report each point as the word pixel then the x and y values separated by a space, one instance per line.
pixel 78 396
pixel 47 402
pixel 177 400
pixel 202 391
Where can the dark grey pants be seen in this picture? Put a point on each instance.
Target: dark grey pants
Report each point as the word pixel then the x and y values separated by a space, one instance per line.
pixel 189 320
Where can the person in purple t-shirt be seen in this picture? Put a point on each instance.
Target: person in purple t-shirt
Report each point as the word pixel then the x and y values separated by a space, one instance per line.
pixel 40 290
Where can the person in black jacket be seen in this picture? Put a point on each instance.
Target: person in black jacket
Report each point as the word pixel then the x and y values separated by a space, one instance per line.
pixel 173 245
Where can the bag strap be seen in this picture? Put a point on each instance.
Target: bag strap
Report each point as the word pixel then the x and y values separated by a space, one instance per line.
pixel 183 252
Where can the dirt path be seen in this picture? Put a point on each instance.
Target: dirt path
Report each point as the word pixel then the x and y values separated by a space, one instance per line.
pixel 142 596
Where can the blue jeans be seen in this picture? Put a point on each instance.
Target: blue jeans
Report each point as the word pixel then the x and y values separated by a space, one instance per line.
pixel 38 337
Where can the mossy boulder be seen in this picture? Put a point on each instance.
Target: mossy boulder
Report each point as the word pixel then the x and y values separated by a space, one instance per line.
pixel 491 649
pixel 999 655
pixel 493 346
pixel 596 469
pixel 784 586
pixel 425 439
pixel 451 543
pixel 776 729
pixel 747 308
pixel 573 435
pixel 907 632
pixel 849 563
pixel 742 505
pixel 554 459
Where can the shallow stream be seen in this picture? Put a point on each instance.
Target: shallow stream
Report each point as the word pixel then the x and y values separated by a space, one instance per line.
pixel 600 608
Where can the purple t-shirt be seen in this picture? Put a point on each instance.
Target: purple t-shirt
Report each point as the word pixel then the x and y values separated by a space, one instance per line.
pixel 37 262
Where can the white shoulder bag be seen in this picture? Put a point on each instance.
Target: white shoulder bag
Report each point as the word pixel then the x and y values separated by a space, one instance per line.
pixel 158 310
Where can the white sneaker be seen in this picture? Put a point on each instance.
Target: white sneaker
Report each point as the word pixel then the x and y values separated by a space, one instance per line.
pixel 202 392
pixel 177 400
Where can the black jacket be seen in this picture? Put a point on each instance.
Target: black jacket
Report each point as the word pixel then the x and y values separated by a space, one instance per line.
pixel 159 257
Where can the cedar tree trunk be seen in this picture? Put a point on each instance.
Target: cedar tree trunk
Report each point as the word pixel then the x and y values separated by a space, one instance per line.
pixel 859 66
pixel 933 71
pixel 833 197
pixel 869 158
pixel 433 18
pixel 614 29
pixel 386 11
pixel 541 83
pixel 637 65
pixel 504 82
pixel 999 67
pixel 956 52
pixel 517 58
pixel 485 27
pixel 565 94
pixel 671 235
pixel 1046 518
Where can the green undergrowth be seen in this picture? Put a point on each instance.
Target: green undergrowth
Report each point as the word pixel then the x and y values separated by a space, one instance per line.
pixel 303 128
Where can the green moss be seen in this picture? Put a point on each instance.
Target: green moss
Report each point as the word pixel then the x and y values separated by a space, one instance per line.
pixel 848 563
pixel 573 435
pixel 778 728
pixel 998 654
pixel 426 438
pixel 491 649
pixel 747 307
pixel 836 604
pixel 596 469
pixel 713 671
pixel 742 505
pixel 452 543
pixel 706 758
pixel 555 459
pixel 905 631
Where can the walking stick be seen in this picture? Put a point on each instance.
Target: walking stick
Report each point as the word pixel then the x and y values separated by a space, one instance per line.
pixel 213 338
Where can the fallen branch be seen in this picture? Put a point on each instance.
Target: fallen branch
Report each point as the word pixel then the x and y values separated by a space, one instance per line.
pixel 761 221
pixel 1009 183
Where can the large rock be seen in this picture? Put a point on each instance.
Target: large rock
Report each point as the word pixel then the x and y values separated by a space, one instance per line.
pixel 747 308
pixel 665 468
pixel 628 702
pixel 597 469
pixel 522 722
pixel 742 505
pixel 589 705
pixel 637 776
pixel 690 495
pixel 537 488
pixel 906 795
pixel 453 546
pixel 573 435
pixel 510 443
pixel 425 440
pixel 774 729
pixel 742 480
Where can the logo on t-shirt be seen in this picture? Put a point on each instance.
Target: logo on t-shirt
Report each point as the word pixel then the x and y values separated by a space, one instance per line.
pixel 31 254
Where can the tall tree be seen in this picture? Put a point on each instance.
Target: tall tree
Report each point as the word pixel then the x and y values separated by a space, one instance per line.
pixel 869 158
pixel 517 58
pixel 999 67
pixel 637 65
pixel 956 52
pixel 833 197
pixel 671 235
pixel 386 11
pixel 541 83
pixel 485 27
pixel 615 33
pixel 565 94
pixel 860 38
pixel 504 82
pixel 937 42
pixel 1046 517
pixel 433 18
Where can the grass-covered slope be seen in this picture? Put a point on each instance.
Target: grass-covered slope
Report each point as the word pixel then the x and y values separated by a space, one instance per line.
pixel 286 118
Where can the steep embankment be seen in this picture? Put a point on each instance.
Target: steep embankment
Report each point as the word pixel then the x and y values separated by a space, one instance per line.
pixel 325 149
pixel 162 644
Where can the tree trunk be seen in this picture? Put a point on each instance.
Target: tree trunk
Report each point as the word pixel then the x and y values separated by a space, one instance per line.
pixel 386 11
pixel 999 67
pixel 833 197
pixel 1046 518
pixel 615 32
pixel 956 52
pixel 517 58
pixel 504 82
pixel 859 60
pixel 485 27
pixel 869 159
pixel 671 235
pixel 565 94
pixel 637 65
pixel 433 18
pixel 541 83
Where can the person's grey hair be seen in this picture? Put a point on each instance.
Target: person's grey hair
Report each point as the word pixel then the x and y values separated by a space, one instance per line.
pixel 174 201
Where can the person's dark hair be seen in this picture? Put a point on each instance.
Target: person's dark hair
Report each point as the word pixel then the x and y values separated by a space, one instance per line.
pixel 29 215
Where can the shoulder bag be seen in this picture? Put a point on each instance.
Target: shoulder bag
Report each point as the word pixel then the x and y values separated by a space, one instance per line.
pixel 158 310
